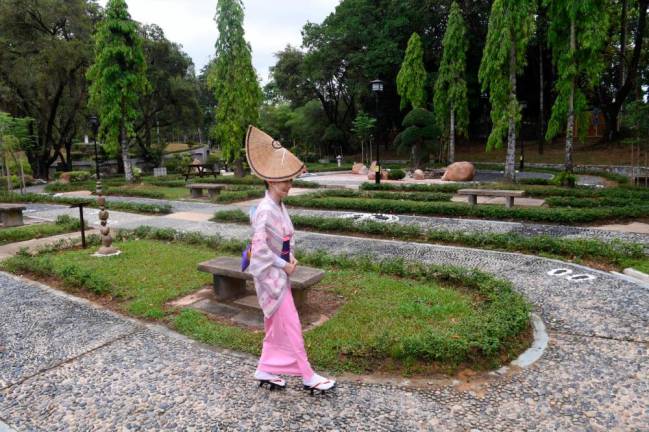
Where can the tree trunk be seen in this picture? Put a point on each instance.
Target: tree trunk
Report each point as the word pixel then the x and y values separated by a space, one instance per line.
pixel 128 172
pixel 541 101
pixel 510 161
pixel 618 123
pixel 570 130
pixel 238 167
pixel 451 143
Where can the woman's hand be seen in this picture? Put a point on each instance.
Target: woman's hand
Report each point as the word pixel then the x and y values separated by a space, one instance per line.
pixel 289 268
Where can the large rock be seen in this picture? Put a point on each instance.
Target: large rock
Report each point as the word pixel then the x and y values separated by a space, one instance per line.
pixel 371 175
pixel 358 167
pixel 459 171
pixel 418 175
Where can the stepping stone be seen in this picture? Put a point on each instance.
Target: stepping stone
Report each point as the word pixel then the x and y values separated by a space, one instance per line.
pixel 248 302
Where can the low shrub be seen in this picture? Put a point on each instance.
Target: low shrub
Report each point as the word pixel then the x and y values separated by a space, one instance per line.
pixel 396 174
pixel 127 191
pixel 408 196
pixel 238 195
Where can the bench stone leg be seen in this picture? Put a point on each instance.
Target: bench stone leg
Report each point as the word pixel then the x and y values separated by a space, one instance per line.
pixel 509 202
pixel 197 193
pixel 12 218
pixel 473 199
pixel 212 192
pixel 226 288
pixel 299 298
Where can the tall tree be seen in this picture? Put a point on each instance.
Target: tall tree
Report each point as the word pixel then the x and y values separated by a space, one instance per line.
pixel 411 79
pixel 576 34
pixel 45 50
pixel 173 102
pixel 510 26
pixel 234 82
pixel 450 100
pixel 118 79
pixel 624 67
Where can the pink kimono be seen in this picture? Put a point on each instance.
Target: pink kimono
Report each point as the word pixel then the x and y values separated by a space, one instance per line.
pixel 283 349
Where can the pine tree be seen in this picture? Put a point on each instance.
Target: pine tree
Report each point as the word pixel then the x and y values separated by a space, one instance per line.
pixel 411 80
pixel 118 79
pixel 234 82
pixel 577 33
pixel 511 24
pixel 450 100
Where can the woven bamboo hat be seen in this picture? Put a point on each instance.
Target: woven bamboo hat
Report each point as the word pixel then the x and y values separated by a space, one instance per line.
pixel 268 159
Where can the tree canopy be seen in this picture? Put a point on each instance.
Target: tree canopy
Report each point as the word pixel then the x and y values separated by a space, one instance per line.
pixel 118 79
pixel 411 79
pixel 233 80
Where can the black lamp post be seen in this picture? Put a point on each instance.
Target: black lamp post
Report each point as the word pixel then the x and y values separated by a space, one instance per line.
pixel 377 87
pixel 94 125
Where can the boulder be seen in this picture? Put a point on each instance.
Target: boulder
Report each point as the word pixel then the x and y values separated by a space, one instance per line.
pixel 363 170
pixel 418 174
pixel 459 171
pixel 358 167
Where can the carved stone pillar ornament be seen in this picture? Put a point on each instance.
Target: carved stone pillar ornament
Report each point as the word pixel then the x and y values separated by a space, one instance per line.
pixel 106 248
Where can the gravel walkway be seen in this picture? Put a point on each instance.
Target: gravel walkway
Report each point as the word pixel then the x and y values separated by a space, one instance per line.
pixel 67 365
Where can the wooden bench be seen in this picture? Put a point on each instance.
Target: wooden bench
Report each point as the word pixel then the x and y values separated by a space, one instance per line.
pixel 196 189
pixel 12 214
pixel 509 195
pixel 230 281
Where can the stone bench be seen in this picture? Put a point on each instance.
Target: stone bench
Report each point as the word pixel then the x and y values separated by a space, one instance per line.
pixel 230 281
pixel 12 214
pixel 509 195
pixel 196 189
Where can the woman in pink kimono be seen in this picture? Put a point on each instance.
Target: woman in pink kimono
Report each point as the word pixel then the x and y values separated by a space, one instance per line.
pixel 271 264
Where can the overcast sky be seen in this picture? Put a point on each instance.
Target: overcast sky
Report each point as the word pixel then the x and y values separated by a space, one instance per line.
pixel 269 25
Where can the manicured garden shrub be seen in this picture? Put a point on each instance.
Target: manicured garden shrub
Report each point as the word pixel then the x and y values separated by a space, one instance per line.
pixel 396 174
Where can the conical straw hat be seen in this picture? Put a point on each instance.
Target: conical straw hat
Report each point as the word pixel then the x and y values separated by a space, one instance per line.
pixel 268 159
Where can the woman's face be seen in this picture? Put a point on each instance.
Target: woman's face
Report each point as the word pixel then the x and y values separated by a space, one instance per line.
pixel 281 188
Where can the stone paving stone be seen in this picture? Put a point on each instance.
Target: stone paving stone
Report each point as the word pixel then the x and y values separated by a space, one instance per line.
pixel 41 329
pixel 151 381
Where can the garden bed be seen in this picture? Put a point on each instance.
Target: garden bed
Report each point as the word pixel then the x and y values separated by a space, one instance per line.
pixel 396 316
pixel 613 255
pixel 63 224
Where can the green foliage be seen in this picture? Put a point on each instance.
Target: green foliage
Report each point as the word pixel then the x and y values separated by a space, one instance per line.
pixel 118 76
pixel 173 108
pixel 578 70
pixel 233 80
pixel 411 79
pixel 76 176
pixel 511 25
pixel 45 49
pixel 450 87
pixel 178 164
pixel 229 196
pixel 565 179
pixel 452 209
pixel 396 174
pixel 62 225
pixel 111 205
pixel 419 136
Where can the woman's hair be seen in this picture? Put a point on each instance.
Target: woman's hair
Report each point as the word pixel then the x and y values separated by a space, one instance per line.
pixel 266 184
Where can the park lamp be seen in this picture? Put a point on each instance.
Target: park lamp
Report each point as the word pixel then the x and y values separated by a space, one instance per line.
pixel 377 87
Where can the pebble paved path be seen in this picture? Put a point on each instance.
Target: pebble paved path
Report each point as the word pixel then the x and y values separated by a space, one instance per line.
pixel 66 365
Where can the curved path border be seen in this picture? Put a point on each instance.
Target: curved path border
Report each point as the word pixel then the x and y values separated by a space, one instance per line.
pixel 593 375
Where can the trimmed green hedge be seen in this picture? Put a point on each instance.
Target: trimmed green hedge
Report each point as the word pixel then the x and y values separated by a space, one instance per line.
pixel 408 196
pixel 229 196
pixel 111 205
pixel 484 211
pixel 611 253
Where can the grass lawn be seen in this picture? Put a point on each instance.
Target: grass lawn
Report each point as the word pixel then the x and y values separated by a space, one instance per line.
pixel 63 224
pixel 396 316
